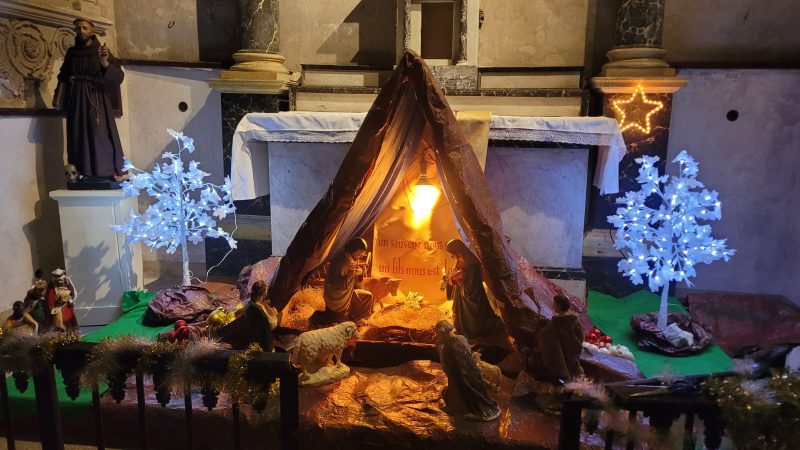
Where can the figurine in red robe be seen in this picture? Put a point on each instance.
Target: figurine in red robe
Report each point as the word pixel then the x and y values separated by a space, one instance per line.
pixel 59 301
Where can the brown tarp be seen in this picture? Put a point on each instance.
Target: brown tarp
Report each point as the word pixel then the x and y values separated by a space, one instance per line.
pixel 411 108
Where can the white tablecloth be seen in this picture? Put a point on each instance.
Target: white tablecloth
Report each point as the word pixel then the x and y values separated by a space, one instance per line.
pixel 249 167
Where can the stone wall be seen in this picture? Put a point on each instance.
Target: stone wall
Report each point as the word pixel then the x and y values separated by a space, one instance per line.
pixel 337 32
pixel 155 97
pixel 732 31
pixel 527 33
pixel 177 30
pixel 752 162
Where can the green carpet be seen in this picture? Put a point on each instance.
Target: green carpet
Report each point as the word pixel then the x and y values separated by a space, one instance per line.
pixel 613 316
pixel 133 306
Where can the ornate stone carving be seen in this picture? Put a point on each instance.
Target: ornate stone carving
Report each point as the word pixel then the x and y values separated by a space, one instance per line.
pixel 26 54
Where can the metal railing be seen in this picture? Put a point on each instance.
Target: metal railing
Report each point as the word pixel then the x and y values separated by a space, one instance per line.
pixel 71 360
pixel 651 399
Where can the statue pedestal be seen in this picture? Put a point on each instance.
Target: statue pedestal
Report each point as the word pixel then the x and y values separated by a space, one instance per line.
pixel 100 262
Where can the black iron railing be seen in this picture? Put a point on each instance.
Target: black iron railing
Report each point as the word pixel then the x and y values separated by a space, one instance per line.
pixel 71 360
pixel 651 399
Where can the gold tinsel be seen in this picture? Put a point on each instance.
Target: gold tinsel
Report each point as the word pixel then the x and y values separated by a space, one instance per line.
pixel 759 414
pixel 30 354
pixel 156 351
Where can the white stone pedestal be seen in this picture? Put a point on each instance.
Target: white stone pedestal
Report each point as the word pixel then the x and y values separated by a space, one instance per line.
pixel 100 262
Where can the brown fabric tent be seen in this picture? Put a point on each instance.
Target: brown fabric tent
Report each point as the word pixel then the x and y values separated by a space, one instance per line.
pixel 409 108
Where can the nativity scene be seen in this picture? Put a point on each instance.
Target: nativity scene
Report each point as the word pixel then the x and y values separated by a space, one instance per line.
pixel 420 225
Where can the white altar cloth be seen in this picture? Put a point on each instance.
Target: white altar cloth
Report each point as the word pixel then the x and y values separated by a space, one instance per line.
pixel 249 162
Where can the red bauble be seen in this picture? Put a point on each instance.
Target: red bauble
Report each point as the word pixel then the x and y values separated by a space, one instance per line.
pixel 180 324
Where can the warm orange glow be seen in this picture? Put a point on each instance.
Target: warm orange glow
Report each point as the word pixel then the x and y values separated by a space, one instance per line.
pixel 423 200
pixel 634 107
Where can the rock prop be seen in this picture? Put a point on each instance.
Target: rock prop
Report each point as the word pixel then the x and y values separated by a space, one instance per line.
pixel 793 360
pixel 189 303
pixel 312 352
pixel 677 337
pixel 260 271
pixel 654 339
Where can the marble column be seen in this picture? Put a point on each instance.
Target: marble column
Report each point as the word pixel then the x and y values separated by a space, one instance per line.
pixel 259 66
pixel 637 41
pixel 636 61
pixel 461 60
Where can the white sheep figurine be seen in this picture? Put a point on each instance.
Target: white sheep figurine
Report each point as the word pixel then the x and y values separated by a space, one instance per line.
pixel 312 352
pixel 490 373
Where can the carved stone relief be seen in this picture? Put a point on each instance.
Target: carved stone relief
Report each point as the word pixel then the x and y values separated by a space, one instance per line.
pixel 28 53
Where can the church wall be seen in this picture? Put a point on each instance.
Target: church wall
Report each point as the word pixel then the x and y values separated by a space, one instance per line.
pixel 529 33
pixel 31 153
pixel 154 95
pixel 337 32
pixel 732 31
pixel 752 162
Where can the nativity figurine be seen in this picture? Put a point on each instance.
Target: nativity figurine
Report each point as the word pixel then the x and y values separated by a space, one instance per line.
pixel 344 298
pixel 20 321
pixel 312 352
pixel 562 343
pixel 59 302
pixel 466 395
pixel 261 317
pixel 86 78
pixel 473 315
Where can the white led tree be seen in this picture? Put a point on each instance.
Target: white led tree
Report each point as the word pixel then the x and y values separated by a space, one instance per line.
pixel 665 244
pixel 185 206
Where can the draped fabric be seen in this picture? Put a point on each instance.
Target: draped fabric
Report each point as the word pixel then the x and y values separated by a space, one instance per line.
pixel 249 155
pixel 411 111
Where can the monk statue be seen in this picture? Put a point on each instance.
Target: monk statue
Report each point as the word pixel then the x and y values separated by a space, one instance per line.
pixel 466 395
pixel 88 74
pixel 562 343
pixel 344 298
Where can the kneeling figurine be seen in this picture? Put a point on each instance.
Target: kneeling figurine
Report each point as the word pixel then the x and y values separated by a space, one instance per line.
pixel 466 395
pixel 312 352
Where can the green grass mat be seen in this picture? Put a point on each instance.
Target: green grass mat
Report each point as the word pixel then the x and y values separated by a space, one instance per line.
pixel 613 316
pixel 133 306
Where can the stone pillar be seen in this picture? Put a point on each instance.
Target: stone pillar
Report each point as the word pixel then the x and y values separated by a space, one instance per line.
pixel 635 77
pixel 637 41
pixel 258 67
pixel 461 60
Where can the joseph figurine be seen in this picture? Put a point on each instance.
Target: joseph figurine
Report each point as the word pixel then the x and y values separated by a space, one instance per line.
pixel 87 76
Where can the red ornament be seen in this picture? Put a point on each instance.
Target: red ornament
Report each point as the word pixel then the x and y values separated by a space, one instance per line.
pixel 180 324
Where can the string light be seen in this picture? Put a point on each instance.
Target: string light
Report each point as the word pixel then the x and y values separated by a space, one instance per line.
pixel 667 244
pixel 632 105
pixel 177 216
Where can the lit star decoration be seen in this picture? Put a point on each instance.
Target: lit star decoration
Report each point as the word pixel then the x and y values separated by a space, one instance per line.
pixel 631 106
pixel 182 204
pixel 666 244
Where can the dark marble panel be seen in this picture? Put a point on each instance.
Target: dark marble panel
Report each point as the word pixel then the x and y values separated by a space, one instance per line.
pixel 654 144
pixel 258 25
pixel 561 273
pixel 639 23
pixel 234 107
pixel 248 251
